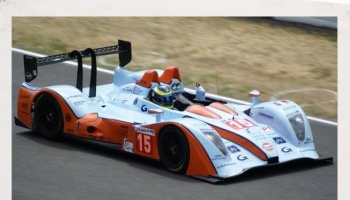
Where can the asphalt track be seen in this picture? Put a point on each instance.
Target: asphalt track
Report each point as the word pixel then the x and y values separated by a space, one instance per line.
pixel 74 169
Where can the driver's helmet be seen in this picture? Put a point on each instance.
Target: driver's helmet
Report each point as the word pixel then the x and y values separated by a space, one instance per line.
pixel 161 95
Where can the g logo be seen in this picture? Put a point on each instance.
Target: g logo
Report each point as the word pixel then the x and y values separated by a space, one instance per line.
pixel 242 158
pixel 286 150
pixel 144 108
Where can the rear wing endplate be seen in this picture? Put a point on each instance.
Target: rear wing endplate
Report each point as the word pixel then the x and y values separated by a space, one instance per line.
pixel 32 63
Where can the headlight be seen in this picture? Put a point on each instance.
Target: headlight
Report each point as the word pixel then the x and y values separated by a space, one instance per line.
pixel 216 140
pixel 297 122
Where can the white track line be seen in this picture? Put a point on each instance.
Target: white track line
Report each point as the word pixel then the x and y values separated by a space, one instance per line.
pixel 212 95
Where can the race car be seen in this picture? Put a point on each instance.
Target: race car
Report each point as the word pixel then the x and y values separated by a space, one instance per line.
pixel 188 131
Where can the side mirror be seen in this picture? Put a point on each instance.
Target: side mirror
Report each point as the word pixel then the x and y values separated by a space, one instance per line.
pixel 157 112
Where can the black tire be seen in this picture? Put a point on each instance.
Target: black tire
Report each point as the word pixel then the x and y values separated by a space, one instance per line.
pixel 48 117
pixel 174 149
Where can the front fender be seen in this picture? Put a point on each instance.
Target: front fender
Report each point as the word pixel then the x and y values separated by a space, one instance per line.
pixel 280 115
pixel 202 147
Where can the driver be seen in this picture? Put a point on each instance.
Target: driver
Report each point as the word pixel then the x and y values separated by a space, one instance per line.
pixel 161 95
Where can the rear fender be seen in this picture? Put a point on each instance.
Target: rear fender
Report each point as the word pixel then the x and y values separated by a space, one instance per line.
pixel 77 101
pixel 25 102
pixel 73 103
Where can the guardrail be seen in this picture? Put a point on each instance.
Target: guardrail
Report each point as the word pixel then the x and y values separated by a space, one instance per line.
pixel 328 22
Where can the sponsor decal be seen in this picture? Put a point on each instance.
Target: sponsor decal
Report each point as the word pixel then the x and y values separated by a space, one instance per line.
pixel 25 96
pixel 68 117
pixel 92 137
pixel 128 146
pixel 279 140
pixel 280 103
pixel 267 146
pixel 24 113
pixel 127 89
pixel 137 90
pixel 225 165
pixel 266 115
pixel 218 157
pixel 242 158
pixel 70 131
pixel 233 149
pixel 267 128
pixel 307 150
pixel 308 141
pixel 144 108
pixel 25 105
pixel 286 150
pixel 205 129
pixel 260 137
pixel 284 101
pixel 260 107
pixel 277 104
pixel 288 107
pixel 238 124
pixel 146 131
pixel 256 133
pixel 75 96
pixel 101 138
pixel 253 130
pixel 292 114
pixel 79 103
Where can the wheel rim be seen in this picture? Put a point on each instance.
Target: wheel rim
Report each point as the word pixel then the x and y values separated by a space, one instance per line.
pixel 173 149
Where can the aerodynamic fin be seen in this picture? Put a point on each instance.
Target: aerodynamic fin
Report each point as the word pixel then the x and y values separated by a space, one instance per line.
pixel 32 63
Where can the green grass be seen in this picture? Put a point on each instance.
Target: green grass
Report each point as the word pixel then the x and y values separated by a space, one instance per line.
pixel 233 54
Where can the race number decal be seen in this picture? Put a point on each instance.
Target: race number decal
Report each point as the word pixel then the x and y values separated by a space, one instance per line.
pixel 144 139
pixel 238 124
pixel 144 143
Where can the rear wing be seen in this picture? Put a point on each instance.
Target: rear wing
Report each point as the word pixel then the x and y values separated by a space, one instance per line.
pixel 32 63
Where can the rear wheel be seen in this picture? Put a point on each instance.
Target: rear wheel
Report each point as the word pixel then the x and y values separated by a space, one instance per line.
pixel 48 117
pixel 174 149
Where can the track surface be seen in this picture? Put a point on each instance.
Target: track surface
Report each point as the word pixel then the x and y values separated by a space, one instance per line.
pixel 75 169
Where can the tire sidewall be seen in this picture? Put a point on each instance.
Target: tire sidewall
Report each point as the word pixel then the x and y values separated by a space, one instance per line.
pixel 56 133
pixel 181 168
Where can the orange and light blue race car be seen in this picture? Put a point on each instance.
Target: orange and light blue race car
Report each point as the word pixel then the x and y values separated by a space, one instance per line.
pixel 151 114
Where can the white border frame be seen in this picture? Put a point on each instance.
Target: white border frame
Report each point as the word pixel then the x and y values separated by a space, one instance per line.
pixel 339 8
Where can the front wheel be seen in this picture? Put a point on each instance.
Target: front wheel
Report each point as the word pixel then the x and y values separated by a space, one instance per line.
pixel 48 117
pixel 174 149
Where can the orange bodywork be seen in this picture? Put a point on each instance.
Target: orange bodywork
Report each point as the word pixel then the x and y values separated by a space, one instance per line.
pixel 245 143
pixel 199 162
pixel 148 77
pixel 170 73
pixel 223 107
pixel 203 111
pixel 91 126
